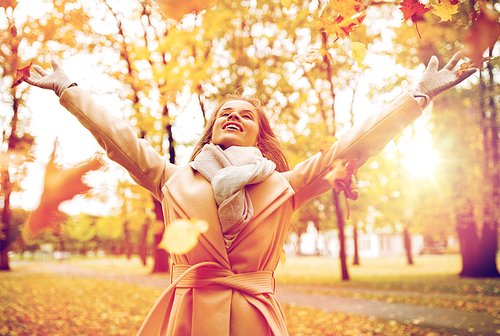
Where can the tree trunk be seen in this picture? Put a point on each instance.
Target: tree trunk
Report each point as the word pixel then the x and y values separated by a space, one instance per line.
pixel 5 228
pixel 469 245
pixel 488 252
pixel 341 225
pixel 356 247
pixel 143 245
pixel 407 243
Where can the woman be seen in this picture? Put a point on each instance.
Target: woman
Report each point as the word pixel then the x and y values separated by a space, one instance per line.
pixel 239 182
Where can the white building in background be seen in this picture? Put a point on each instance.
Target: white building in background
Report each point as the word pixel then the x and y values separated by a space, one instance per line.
pixel 370 245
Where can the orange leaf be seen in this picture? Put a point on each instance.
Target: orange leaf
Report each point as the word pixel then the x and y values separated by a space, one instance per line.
pixel 21 75
pixel 59 185
pixel 483 34
pixel 346 8
pixel 341 27
pixel 343 178
pixel 463 68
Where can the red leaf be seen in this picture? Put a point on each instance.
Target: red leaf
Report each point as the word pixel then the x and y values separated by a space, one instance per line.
pixel 482 35
pixel 21 75
pixel 412 7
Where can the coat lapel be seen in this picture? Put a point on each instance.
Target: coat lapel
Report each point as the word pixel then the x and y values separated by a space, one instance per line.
pixel 191 195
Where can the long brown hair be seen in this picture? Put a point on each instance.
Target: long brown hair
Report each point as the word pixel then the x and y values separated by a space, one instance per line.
pixel 268 143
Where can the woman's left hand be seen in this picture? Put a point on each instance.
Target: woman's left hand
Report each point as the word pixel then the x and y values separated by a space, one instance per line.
pixel 57 80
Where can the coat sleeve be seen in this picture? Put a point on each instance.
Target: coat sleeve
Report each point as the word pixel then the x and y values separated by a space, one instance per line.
pixel 362 141
pixel 137 156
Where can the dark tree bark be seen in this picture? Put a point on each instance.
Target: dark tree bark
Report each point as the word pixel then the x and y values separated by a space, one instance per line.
pixel 407 243
pixel 356 247
pixel 341 225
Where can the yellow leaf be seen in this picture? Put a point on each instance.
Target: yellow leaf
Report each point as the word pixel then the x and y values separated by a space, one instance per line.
pixel 177 9
pixel 181 236
pixel 445 10
pixel 358 53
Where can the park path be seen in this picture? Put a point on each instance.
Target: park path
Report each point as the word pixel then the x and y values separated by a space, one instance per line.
pixel 458 323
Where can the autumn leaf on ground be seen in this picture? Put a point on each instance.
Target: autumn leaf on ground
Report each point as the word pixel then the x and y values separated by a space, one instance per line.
pixel 483 34
pixel 342 177
pixel 341 27
pixel 445 10
pixel 358 51
pixel 410 8
pixel 181 236
pixel 59 185
pixel 327 143
pixel 21 75
pixel 176 9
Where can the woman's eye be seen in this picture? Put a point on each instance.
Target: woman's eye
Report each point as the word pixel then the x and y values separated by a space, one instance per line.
pixel 247 116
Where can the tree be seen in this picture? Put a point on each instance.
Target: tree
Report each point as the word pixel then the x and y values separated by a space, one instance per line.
pixel 59 30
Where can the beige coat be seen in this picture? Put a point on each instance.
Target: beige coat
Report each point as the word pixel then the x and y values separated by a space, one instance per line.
pixel 229 292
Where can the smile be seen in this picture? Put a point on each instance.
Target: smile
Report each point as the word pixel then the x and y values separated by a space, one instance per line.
pixel 232 126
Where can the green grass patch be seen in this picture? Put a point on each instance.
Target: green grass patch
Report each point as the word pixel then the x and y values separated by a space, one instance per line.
pixel 45 304
pixel 430 273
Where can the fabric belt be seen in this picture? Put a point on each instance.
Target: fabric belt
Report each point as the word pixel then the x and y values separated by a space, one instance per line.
pixel 211 273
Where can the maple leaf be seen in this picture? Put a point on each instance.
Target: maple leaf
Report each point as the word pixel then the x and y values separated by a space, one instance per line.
pixel 341 27
pixel 411 8
pixel 181 236
pixel 59 185
pixel 483 33
pixel 445 10
pixel 176 9
pixel 342 176
pixel 21 75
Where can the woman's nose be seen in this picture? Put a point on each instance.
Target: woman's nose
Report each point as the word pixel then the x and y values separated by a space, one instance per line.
pixel 234 115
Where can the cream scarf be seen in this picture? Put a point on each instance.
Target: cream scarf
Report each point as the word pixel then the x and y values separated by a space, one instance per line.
pixel 229 171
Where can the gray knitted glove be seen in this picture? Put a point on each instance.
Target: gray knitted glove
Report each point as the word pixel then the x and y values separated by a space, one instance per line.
pixel 57 80
pixel 433 82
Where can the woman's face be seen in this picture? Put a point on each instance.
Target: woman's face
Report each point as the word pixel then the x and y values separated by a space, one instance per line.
pixel 236 124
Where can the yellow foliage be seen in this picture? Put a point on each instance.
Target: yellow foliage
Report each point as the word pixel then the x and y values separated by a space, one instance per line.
pixel 445 10
pixel 288 3
pixel 358 51
pixel 181 236
pixel 177 9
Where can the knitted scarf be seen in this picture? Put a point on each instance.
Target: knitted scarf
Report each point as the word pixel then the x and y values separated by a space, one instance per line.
pixel 229 171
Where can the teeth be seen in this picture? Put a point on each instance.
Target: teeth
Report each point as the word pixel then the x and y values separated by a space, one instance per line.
pixel 234 127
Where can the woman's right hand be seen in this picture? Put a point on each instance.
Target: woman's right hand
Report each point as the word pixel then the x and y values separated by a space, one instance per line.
pixel 57 81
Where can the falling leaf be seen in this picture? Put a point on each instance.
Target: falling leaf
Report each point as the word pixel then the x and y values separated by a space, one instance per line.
pixel 412 8
pixel 358 53
pixel 445 10
pixel 21 75
pixel 483 33
pixel 342 176
pixel 341 27
pixel 327 143
pixel 177 9
pixel 181 236
pixel 59 185
pixel 463 68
